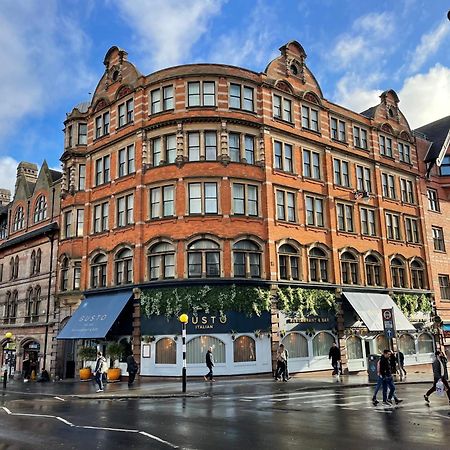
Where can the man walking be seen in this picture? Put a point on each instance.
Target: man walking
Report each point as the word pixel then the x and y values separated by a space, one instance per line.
pixel 335 356
pixel 282 358
pixel 440 372
pixel 388 382
pixel 99 370
pixel 132 369
pixel 209 365
pixel 401 364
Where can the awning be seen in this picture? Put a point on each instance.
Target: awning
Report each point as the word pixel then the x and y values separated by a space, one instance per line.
pixel 369 306
pixel 95 316
pixel 446 327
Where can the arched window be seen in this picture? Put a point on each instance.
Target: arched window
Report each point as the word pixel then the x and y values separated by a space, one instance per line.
pixel 244 349
pixel 354 347
pixel 11 268
pixel 124 267
pixel 6 312
pixel 288 259
pixel 19 219
pixel 16 267
pixel 406 344
pixel 161 261
pixel 98 271
pixel 15 302
pixel 30 298
pixel 373 270
pixel 38 261
pixel 381 343
pixel 37 301
pixel 65 274
pixel 321 343
pixel 247 259
pixel 33 263
pixel 296 345
pixel 417 275
pixel 318 265
pixel 166 351
pixel 349 268
pixel 425 343
pixel 398 273
pixel 40 210
pixel 203 259
pixel 196 349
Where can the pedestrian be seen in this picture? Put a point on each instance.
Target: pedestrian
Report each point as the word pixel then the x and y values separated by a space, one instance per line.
pixel 335 356
pixel 43 377
pixel 100 368
pixel 282 359
pixel 132 369
pixel 393 363
pixel 388 381
pixel 440 372
pixel 401 363
pixel 380 383
pixel 26 368
pixel 209 365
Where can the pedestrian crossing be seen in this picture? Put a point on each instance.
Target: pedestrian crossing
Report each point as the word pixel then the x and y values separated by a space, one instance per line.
pixel 345 400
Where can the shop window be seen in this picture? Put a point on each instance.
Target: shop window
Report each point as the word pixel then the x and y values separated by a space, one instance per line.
pixel 296 345
pixel 322 343
pixel 196 350
pixel 406 344
pixel 247 259
pixel 381 344
pixel 354 348
pixel 425 343
pixel 161 261
pixel 244 349
pixel 288 258
pixel 166 351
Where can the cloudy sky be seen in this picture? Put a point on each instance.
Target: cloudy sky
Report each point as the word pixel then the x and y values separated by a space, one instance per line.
pixel 53 50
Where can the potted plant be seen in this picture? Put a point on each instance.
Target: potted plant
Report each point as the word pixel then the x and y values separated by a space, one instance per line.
pixel 86 354
pixel 115 351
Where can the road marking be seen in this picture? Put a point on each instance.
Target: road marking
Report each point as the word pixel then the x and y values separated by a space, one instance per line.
pixel 89 427
pixel 299 396
pixel 59 398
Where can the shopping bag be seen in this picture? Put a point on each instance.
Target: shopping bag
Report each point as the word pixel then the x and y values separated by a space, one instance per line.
pixel 440 389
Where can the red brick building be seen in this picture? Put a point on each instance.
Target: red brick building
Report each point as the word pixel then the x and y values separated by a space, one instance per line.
pixel 210 174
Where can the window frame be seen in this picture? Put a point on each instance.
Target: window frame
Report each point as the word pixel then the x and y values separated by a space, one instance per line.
pixel 203 199
pixel 437 234
pixel 308 120
pixel 163 100
pixel 284 159
pixel 126 165
pixel 241 97
pixel 287 208
pixel 125 113
pixel 202 95
pixel 285 114
pixel 125 216
pixel 433 200
pixel 368 227
pixel 338 129
pixel 102 170
pixel 246 201
pixel 341 173
pixel 345 217
pixel 317 214
pixel 162 192
pixel 360 137
pixel 393 224
pixel 102 125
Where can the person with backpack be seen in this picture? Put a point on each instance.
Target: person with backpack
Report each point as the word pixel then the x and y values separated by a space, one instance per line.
pixel 101 367
pixel 440 374
pixel 132 369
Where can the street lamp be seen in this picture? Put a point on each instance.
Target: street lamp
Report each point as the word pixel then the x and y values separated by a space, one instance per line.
pixel 184 319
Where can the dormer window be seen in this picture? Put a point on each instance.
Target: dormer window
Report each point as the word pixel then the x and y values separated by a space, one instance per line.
pixel 40 210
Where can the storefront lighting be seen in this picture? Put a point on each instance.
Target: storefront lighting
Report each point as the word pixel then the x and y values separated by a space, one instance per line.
pixel 8 335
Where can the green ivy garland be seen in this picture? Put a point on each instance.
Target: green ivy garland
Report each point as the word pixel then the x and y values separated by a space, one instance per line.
pixel 413 303
pixel 171 302
pixel 305 302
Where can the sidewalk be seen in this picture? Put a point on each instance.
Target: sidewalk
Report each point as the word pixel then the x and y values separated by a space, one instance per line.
pixel 169 388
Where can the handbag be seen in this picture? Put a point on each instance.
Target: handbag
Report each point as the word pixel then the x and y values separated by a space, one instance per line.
pixel 440 388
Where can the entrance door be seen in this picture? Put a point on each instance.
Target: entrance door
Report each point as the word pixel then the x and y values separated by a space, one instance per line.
pixel 367 348
pixel 69 358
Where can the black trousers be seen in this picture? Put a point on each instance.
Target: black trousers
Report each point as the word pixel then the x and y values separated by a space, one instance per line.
pixel 131 377
pixel 210 373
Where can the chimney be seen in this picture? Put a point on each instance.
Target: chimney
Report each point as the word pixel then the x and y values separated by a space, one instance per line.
pixel 29 170
pixel 5 196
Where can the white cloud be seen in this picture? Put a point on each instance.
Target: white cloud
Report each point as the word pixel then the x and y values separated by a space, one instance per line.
pixel 425 97
pixel 429 45
pixel 166 30
pixel 8 168
pixel 43 57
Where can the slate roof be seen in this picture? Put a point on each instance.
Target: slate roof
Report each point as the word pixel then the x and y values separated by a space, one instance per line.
pixel 55 174
pixel 370 113
pixel 435 132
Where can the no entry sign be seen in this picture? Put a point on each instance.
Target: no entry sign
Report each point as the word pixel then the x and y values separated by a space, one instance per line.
pixel 388 322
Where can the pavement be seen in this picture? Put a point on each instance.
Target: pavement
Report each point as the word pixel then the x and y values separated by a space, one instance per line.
pixel 197 387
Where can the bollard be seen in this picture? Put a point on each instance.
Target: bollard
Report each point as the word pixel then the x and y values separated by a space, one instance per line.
pixel 5 374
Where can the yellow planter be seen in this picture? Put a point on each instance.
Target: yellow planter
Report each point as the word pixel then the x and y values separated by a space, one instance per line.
pixel 85 374
pixel 114 374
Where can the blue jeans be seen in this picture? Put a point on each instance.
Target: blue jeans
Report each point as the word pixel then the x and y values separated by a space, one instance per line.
pixel 380 382
pixel 389 383
pixel 99 380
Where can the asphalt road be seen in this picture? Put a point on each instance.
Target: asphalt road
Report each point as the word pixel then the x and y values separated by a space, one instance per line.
pixel 257 417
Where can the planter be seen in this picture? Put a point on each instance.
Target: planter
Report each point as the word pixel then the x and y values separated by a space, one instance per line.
pixel 114 374
pixel 85 374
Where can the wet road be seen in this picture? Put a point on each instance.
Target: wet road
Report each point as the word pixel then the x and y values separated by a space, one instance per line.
pixel 261 416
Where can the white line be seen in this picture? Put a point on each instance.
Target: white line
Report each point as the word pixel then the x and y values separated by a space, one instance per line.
pixel 70 424
pixel 297 397
pixel 59 398
pixel 256 397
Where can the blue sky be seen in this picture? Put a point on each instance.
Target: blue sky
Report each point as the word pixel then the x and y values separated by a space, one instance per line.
pixel 53 51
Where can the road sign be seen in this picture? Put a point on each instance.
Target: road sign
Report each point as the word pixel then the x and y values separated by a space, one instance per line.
pixel 388 322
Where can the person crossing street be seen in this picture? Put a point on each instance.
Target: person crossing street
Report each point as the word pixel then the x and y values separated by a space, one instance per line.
pixel 440 373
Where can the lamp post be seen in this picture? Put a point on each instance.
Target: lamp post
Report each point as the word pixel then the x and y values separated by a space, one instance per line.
pixel 9 337
pixel 184 319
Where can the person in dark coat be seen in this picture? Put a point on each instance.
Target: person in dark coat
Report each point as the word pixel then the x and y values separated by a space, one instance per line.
pixel 388 381
pixel 26 368
pixel 282 359
pixel 132 369
pixel 440 372
pixel 393 362
pixel 401 363
pixel 335 356
pixel 210 364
